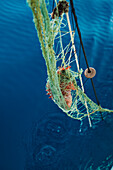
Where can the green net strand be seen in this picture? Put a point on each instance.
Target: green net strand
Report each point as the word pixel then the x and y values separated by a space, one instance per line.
pixel 61 79
pixel 46 38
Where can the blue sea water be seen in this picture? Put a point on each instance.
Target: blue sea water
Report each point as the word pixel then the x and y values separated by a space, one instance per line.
pixel 34 133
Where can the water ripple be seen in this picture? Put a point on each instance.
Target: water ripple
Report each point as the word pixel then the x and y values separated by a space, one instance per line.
pixel 51 139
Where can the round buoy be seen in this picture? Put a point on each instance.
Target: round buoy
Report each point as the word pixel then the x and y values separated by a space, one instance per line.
pixel 90 74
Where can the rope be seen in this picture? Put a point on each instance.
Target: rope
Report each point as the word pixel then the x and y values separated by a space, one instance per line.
pixel 53 5
pixel 96 96
pixel 79 33
pixel 77 63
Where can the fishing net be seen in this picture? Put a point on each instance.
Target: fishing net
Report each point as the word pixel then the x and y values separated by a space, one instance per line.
pixel 64 84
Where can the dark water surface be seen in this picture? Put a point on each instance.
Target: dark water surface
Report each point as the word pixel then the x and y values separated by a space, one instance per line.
pixel 34 133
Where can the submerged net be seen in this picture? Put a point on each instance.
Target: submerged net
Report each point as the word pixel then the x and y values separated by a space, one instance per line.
pixel 64 85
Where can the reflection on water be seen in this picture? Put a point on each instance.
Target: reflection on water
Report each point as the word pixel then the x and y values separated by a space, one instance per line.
pixel 51 140
pixel 56 144
pixel 45 156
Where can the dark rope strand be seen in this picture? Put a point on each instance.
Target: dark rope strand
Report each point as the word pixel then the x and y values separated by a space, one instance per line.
pixel 73 11
pixel 95 91
pixel 79 33
pixel 53 5
pixel 96 96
